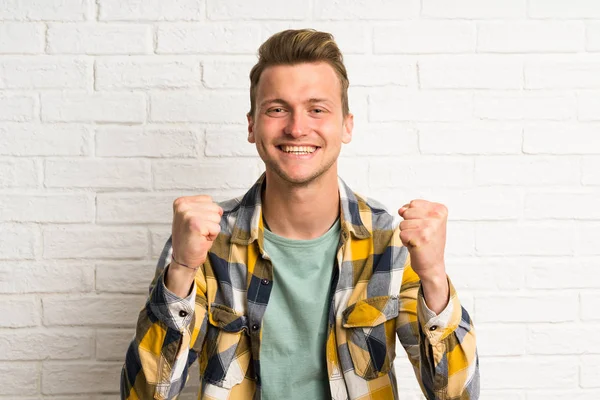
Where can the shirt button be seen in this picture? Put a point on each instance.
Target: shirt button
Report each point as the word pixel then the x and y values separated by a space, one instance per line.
pixel 433 328
pixel 255 327
pixel 183 314
pixel 265 281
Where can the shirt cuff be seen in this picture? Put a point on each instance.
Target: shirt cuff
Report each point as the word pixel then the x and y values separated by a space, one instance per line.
pixel 176 312
pixel 438 327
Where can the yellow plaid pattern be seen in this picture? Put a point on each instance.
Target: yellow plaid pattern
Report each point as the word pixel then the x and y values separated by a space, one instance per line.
pixel 376 297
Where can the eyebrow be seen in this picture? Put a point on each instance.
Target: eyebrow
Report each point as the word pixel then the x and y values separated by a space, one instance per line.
pixel 312 100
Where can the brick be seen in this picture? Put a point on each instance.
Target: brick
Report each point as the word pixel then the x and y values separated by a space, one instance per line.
pixel 41 10
pixel 229 73
pixel 228 141
pixel 530 37
pixel 126 141
pixel 111 345
pixel 421 172
pixel 592 42
pixel 559 138
pixel 147 72
pixel 380 71
pixel 424 37
pixel 532 308
pixel 524 106
pixel 590 302
pixel 474 9
pixel 18 173
pixel 484 203
pixel 65 208
pixel 19 379
pixel 351 38
pixel 151 10
pixel 590 171
pixel 261 10
pixel 80 377
pixel 125 208
pixel 184 106
pixel 470 72
pixel 552 205
pixel 588 104
pixel 125 277
pixel 19 312
pixel 520 239
pixel 562 75
pixel 583 9
pixel 199 176
pixel 98 242
pixel 21 38
pixel 587 239
pixel 460 240
pixel 98 173
pixel 590 370
pixel 46 72
pixel 18 242
pixel 92 309
pixel 204 38
pixel 382 140
pixel 543 274
pixel 46 277
pixel 44 140
pixel 53 344
pixel 18 108
pixel 388 104
pixel 501 340
pixel 97 107
pixel 515 372
pixel 370 10
pixel 526 170
pixel 470 138
pixel 99 39
pixel 580 394
pixel 488 274
pixel 563 339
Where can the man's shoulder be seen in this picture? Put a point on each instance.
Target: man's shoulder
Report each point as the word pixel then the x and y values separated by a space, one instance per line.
pixel 381 217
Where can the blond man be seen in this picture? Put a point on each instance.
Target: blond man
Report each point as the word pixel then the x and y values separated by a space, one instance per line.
pixel 299 288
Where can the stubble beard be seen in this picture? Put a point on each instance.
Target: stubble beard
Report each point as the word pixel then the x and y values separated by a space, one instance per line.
pixel 302 182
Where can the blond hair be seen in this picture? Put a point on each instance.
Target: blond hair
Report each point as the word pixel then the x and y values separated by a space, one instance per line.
pixel 292 47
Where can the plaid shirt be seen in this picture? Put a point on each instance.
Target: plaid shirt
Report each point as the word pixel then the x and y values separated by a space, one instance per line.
pixel 376 296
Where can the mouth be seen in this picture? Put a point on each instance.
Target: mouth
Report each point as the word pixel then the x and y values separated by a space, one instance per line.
pixel 298 150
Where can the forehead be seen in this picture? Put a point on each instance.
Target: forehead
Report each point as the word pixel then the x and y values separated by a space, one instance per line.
pixel 299 81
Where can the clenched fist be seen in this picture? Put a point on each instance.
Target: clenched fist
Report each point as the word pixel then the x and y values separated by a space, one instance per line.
pixel 423 232
pixel 195 227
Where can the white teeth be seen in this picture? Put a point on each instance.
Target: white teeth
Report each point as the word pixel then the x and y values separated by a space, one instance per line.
pixel 298 149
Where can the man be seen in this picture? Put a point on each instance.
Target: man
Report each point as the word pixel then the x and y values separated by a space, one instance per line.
pixel 298 289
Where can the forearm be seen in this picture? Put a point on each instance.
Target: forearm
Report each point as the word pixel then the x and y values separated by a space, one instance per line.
pixel 436 292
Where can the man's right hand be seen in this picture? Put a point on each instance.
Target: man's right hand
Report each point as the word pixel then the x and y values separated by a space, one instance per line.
pixel 195 227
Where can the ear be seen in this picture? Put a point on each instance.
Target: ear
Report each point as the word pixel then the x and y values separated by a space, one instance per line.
pixel 251 138
pixel 348 127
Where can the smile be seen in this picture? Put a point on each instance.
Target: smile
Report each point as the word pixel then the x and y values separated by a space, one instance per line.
pixel 298 149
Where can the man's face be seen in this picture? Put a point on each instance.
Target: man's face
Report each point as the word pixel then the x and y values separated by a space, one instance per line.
pixel 298 126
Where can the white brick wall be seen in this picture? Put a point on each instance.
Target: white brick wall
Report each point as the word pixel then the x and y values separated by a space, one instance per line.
pixel 110 109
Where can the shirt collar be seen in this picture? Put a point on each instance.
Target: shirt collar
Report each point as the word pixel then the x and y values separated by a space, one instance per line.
pixel 249 224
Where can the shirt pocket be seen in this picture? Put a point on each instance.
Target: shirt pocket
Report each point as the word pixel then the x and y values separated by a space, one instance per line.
pixel 227 347
pixel 371 327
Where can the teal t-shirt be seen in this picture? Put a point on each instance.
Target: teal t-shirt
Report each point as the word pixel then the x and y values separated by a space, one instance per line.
pixel 294 333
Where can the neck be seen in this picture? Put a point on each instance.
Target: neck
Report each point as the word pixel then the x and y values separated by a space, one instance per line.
pixel 301 211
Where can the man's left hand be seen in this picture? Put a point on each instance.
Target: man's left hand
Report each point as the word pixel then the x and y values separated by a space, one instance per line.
pixel 423 232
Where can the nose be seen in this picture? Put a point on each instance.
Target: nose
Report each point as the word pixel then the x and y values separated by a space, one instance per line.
pixel 296 125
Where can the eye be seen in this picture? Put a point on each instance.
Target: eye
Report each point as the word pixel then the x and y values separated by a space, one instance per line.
pixel 318 110
pixel 275 110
